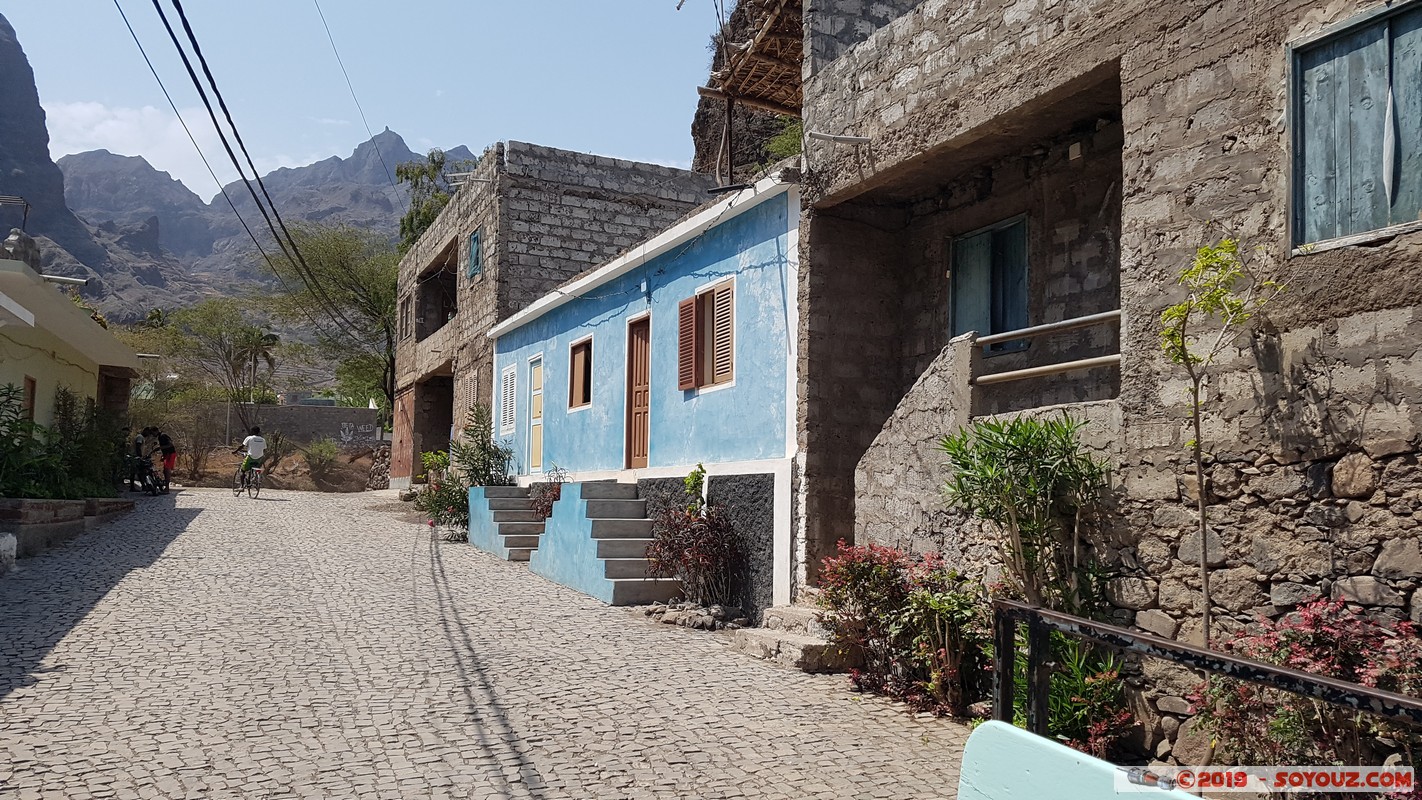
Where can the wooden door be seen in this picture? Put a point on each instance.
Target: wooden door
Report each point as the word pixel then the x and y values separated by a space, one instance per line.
pixel 639 392
pixel 535 415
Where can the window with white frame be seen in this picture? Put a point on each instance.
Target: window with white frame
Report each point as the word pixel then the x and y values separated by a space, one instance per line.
pixel 706 337
pixel 508 397
pixel 580 374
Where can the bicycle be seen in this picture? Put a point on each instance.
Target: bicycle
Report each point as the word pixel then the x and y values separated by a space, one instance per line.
pixel 249 480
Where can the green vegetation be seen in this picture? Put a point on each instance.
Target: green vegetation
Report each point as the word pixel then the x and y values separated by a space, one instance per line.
pixel 80 455
pixel 1032 479
pixel 345 294
pixel 1221 298
pixel 430 191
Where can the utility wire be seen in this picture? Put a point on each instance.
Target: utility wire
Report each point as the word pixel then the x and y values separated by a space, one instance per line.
pixel 191 138
pixel 284 238
pixel 342 64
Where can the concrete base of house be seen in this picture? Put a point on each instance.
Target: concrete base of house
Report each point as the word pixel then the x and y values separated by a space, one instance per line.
pixel 400 483
pixel 792 636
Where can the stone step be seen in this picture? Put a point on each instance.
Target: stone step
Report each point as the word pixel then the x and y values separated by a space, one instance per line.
pixel 621 528
pixel 607 490
pixel 624 567
pixel 505 491
pixel 794 650
pixel 518 516
pixel 622 548
pixel 641 591
pixel 510 504
pixel 509 528
pixel 617 509
pixel 803 620
pixel 521 553
pixel 522 540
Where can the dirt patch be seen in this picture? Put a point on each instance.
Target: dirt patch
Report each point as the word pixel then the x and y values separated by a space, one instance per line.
pixel 349 473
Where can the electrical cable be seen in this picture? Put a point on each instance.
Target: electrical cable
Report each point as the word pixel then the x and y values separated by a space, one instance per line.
pixel 288 244
pixel 192 138
pixel 350 86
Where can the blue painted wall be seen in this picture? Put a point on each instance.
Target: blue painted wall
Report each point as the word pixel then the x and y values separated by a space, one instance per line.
pixel 741 421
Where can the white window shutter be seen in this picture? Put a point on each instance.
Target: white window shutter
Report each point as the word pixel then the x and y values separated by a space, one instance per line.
pixel 508 396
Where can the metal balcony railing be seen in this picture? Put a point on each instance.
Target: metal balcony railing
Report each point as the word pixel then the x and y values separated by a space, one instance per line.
pixel 1103 318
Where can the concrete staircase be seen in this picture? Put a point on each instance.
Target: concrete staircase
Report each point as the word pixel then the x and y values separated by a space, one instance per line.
pixel 597 543
pixel 791 636
pixel 516 525
pixel 622 531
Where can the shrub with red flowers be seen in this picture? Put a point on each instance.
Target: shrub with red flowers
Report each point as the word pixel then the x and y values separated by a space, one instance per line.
pixel 542 495
pixel 918 629
pixel 1259 725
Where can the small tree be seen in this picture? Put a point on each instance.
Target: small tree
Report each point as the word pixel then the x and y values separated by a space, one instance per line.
pixel 430 191
pixel 1032 479
pixel 1221 298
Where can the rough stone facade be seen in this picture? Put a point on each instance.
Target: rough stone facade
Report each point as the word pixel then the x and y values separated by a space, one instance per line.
pixel 984 110
pixel 350 428
pixel 543 216
pixel 834 26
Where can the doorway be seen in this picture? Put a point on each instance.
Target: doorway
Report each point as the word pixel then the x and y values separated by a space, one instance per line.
pixel 535 415
pixel 639 392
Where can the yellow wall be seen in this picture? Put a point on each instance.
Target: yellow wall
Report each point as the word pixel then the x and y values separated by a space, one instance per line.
pixel 52 363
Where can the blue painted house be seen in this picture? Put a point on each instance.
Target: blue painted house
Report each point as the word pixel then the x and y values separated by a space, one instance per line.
pixel 680 352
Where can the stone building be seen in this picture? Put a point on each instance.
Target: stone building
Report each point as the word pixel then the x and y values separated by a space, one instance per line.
pixel 1008 164
pixel 527 219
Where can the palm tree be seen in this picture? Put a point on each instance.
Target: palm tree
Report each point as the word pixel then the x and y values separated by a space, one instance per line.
pixel 253 346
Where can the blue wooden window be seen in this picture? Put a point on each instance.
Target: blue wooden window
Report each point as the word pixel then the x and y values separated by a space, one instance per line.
pixel 476 264
pixel 1358 128
pixel 990 281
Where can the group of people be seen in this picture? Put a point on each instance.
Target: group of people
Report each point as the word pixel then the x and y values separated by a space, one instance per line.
pixel 149 441
pixel 154 440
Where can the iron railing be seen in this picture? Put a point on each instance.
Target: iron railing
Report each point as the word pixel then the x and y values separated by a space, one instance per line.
pixel 1103 318
pixel 1009 615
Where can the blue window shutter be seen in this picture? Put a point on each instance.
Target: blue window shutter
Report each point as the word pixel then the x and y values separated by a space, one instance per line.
pixel 476 264
pixel 972 284
pixel 1009 307
pixel 1344 85
pixel 1406 36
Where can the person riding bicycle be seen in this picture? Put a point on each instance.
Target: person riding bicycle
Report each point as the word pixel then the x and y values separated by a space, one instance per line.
pixel 256 448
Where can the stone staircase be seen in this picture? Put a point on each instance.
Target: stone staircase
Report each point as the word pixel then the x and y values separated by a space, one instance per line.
pixel 792 637
pixel 598 544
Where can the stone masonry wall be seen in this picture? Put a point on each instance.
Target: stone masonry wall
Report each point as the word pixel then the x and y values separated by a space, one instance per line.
pixel 1072 208
pixel 567 213
pixel 544 216
pixel 834 26
pixel 1313 419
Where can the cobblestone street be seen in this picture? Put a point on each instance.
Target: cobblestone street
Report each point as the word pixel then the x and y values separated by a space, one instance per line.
pixel 307 645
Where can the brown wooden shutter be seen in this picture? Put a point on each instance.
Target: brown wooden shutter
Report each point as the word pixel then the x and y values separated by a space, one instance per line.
pixel 686 346
pixel 723 334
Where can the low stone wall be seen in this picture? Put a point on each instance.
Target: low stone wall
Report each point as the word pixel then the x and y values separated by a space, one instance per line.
pixel 40 524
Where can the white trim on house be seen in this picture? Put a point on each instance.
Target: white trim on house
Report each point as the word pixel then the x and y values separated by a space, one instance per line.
pixel 679 234
pixel 792 327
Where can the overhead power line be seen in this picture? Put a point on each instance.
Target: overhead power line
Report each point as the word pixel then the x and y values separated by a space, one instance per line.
pixel 284 238
pixel 191 138
pixel 351 86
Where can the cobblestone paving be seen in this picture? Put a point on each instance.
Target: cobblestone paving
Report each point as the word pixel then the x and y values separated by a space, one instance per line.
pixel 306 645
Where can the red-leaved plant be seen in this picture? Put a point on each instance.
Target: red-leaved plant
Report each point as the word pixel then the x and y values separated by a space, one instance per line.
pixel 699 546
pixel 1259 725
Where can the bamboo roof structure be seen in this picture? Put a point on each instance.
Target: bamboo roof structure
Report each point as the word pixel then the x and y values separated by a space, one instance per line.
pixel 764 71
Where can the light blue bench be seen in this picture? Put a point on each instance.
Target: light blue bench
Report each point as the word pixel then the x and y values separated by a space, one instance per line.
pixel 1002 762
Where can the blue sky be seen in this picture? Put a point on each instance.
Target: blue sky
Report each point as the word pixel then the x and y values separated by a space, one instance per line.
pixel 614 77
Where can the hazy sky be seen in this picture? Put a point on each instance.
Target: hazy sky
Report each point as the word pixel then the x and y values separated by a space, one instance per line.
pixel 614 77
